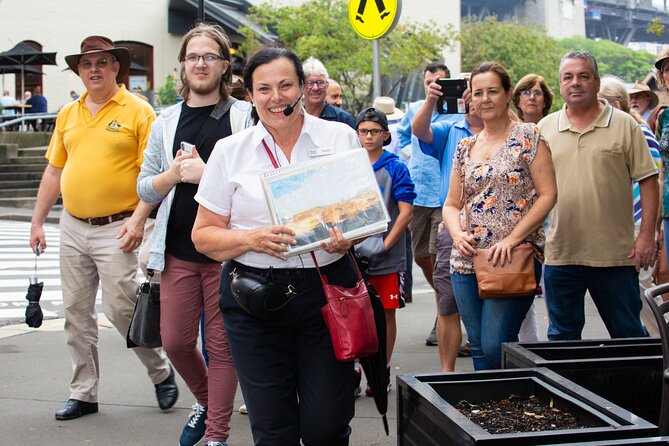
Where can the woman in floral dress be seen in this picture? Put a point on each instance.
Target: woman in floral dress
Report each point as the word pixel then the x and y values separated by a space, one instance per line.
pixel 510 189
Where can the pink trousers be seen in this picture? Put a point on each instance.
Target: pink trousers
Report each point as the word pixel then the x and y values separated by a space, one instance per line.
pixel 187 289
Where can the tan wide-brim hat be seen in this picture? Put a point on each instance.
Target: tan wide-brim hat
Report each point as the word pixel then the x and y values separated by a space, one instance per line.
pixel 387 105
pixel 100 44
pixel 661 58
pixel 639 87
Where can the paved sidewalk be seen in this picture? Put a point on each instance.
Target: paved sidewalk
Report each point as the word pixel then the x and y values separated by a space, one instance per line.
pixel 35 371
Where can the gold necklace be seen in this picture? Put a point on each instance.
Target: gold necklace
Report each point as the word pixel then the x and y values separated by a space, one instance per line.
pixel 488 153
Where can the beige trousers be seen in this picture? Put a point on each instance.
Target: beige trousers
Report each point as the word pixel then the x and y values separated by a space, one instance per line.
pixel 90 255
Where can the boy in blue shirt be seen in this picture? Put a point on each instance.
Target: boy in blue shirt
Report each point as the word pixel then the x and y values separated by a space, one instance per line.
pixel 387 251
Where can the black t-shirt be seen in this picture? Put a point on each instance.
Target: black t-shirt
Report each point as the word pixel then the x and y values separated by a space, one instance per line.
pixel 184 206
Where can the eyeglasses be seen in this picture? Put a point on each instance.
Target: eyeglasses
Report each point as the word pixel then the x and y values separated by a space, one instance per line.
pixel 365 132
pixel 99 64
pixel 528 93
pixel 207 58
pixel 317 84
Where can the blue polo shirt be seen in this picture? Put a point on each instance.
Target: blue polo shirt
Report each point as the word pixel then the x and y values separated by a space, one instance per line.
pixel 331 113
pixel 424 169
pixel 445 139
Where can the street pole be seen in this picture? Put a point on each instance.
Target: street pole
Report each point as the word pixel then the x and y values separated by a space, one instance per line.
pixel 200 11
pixel 376 66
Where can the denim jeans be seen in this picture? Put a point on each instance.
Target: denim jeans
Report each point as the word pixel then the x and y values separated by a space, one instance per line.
pixel 489 322
pixel 614 290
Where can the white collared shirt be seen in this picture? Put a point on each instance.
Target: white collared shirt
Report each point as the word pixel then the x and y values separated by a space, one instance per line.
pixel 231 186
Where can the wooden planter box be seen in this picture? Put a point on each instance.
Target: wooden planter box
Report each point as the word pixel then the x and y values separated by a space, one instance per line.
pixel 426 415
pixel 627 372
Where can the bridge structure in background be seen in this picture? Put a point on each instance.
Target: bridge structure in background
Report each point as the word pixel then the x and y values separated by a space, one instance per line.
pixel 621 21
pixel 625 21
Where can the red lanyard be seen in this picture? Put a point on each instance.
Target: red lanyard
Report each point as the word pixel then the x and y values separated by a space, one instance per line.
pixel 271 155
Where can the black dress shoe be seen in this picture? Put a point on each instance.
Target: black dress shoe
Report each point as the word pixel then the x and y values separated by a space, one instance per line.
pixel 74 409
pixel 167 391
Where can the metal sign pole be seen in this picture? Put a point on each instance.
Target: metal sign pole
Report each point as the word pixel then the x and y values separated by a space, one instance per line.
pixel 376 66
pixel 372 21
pixel 200 11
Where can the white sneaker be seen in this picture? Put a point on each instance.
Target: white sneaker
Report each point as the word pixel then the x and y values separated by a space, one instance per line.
pixel 242 410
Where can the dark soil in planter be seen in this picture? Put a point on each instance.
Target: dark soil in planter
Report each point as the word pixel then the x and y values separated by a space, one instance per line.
pixel 519 414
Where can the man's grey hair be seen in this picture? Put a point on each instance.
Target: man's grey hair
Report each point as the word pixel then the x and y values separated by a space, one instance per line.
pixel 581 55
pixel 313 66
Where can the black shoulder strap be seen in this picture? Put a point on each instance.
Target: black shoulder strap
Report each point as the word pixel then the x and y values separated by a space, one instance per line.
pixel 220 110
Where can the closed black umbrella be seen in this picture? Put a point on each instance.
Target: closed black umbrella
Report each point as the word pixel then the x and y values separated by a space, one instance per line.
pixel 375 366
pixel 34 314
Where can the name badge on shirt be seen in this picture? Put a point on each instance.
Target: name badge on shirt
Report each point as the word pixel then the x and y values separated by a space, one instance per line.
pixel 321 151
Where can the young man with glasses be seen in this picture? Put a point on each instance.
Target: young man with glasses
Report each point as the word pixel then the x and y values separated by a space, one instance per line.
pixel 317 82
pixel 189 280
pixel 94 158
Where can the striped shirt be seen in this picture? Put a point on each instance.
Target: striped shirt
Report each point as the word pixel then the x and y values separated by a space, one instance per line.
pixel 654 148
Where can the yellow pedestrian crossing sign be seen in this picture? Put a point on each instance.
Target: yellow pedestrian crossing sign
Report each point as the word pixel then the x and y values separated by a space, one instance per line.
pixel 372 19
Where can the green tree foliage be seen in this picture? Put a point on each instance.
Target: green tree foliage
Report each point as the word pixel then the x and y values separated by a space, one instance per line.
pixel 167 93
pixel 522 49
pixel 612 58
pixel 320 28
pixel 656 27
pixel 526 49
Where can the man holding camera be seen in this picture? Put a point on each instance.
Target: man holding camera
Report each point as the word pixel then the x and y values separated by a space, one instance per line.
pixel 439 140
pixel 424 171
pixel 94 158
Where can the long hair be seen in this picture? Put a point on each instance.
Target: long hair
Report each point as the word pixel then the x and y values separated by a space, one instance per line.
pixel 217 34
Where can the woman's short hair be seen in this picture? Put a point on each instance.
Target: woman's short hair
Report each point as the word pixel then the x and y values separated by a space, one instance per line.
pixel 268 55
pixel 493 67
pixel 526 83
pixel 215 33
pixel 263 57
pixel 613 89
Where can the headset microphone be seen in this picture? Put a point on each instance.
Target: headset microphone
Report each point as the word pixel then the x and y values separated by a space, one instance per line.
pixel 289 110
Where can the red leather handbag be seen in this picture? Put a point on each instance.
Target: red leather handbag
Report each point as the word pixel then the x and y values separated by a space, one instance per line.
pixel 349 317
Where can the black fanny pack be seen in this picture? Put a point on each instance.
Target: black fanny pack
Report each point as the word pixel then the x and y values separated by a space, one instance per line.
pixel 258 295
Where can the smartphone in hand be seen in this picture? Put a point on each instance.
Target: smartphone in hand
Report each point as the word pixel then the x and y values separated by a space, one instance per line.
pixel 451 101
pixel 186 148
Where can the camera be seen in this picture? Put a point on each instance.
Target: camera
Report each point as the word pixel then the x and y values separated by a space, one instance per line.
pixel 451 101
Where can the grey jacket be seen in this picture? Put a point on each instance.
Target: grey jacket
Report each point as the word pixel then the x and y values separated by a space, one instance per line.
pixel 158 158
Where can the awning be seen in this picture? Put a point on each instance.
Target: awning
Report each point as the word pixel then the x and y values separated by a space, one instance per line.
pixel 230 14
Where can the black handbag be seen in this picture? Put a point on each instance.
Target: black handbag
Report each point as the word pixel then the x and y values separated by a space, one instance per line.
pixel 144 329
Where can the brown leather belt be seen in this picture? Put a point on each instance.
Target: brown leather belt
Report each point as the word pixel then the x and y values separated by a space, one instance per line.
pixel 101 221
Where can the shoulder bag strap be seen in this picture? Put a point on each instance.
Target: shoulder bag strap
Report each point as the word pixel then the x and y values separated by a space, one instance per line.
pixel 221 109
pixel 463 192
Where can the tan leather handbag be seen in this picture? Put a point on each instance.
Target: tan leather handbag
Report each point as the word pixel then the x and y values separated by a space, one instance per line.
pixel 514 279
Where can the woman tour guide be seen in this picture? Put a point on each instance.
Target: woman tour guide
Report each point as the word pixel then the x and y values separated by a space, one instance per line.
pixel 510 188
pixel 294 387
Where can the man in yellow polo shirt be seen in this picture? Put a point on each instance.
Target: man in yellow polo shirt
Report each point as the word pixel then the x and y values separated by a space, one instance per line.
pixel 597 151
pixel 94 159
